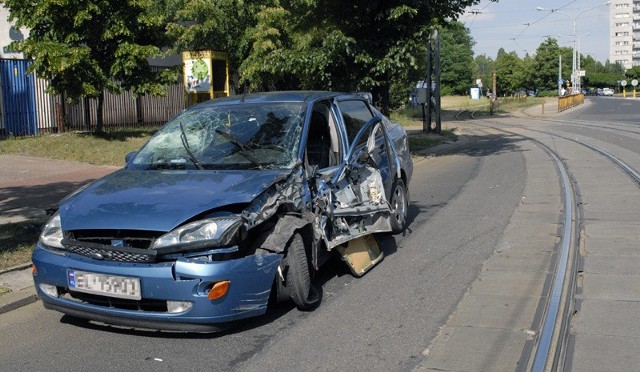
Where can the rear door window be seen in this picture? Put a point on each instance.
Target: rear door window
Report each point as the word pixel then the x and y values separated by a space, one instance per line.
pixel 355 114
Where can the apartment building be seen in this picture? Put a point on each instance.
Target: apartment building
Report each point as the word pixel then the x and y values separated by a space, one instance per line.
pixel 624 24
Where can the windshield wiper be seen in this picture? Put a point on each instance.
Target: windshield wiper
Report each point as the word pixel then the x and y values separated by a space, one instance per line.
pixel 185 144
pixel 247 152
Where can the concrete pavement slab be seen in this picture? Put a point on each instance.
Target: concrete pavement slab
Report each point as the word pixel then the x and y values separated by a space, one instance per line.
pixel 607 245
pixel 608 318
pixel 612 229
pixel 524 284
pixel 481 311
pixel 518 263
pixel 530 247
pixel 611 287
pixel 590 351
pixel 475 349
pixel 18 278
pixel 612 264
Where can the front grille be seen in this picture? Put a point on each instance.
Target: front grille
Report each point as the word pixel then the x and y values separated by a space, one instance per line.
pixel 118 303
pixel 109 253
pixel 126 238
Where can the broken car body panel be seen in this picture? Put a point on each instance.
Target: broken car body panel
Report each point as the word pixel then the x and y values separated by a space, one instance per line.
pixel 216 196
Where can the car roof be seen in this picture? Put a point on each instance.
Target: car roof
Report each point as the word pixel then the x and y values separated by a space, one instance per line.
pixel 282 96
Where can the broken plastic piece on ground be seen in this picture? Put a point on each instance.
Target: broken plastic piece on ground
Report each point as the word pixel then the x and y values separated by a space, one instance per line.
pixel 361 254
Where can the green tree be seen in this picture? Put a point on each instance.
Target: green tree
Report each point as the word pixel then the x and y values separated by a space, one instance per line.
pixel 546 64
pixel 456 59
pixel 484 70
pixel 633 73
pixel 85 47
pixel 509 73
pixel 321 44
pixel 614 68
pixel 528 67
pixel 327 44
pixel 599 75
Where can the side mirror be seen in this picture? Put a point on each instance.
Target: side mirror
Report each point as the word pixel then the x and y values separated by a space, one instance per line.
pixel 130 156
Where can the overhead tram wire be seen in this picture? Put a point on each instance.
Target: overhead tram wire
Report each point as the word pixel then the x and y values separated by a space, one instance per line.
pixel 529 24
pixel 475 13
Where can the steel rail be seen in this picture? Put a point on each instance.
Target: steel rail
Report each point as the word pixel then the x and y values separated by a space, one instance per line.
pixel 634 174
pixel 621 164
pixel 543 346
pixel 552 309
pixel 545 339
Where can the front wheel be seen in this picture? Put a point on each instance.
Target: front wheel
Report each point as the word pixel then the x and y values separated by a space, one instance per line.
pixel 298 278
pixel 399 206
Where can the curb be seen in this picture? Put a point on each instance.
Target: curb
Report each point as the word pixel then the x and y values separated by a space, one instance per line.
pixel 17 299
pixel 23 266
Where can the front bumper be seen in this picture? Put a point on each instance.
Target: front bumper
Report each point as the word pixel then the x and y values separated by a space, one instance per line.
pixel 185 279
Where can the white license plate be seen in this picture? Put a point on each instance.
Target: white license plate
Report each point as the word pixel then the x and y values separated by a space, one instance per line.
pixel 102 284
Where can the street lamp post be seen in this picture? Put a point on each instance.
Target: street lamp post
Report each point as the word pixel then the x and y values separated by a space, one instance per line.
pixel 578 65
pixel 575 74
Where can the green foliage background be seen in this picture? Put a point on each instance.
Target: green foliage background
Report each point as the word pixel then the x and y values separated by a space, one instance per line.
pixel 85 47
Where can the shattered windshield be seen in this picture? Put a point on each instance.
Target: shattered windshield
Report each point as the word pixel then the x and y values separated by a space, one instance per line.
pixel 238 136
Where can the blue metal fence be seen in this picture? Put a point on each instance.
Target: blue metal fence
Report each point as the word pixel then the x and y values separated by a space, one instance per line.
pixel 19 114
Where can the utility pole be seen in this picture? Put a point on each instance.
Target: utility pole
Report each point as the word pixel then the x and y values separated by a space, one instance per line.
pixel 559 75
pixel 431 108
pixel 494 96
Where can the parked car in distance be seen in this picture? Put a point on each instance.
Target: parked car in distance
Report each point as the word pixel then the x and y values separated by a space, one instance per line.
pixel 230 206
pixel 607 92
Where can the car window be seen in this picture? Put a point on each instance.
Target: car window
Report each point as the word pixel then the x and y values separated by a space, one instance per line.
pixel 355 114
pixel 237 136
pixel 323 142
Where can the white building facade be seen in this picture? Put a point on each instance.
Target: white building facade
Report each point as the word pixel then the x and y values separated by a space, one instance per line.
pixel 624 24
pixel 8 34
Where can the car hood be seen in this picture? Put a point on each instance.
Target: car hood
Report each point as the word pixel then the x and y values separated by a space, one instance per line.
pixel 159 200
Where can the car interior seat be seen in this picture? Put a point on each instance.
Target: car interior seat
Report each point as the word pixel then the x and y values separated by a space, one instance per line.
pixel 319 141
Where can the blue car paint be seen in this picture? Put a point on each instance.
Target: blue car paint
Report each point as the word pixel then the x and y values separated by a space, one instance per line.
pixel 160 200
pixel 251 278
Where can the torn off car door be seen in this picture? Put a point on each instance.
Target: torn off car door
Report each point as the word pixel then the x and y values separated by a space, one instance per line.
pixel 352 203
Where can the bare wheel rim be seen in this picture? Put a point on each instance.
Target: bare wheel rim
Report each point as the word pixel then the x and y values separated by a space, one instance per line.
pixel 399 204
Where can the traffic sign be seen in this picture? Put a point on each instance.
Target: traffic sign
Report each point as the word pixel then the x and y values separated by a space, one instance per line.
pixel 623 83
pixel 634 82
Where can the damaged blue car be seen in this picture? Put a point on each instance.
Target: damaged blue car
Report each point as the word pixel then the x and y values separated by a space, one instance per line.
pixel 232 205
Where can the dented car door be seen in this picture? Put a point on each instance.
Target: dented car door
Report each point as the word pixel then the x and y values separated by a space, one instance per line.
pixel 352 201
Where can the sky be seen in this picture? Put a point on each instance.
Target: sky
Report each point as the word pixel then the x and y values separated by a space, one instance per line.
pixel 517 26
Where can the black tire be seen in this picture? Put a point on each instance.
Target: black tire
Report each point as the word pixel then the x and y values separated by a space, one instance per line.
pixel 298 278
pixel 399 206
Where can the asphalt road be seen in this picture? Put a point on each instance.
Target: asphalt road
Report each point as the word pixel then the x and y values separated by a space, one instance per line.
pixel 498 191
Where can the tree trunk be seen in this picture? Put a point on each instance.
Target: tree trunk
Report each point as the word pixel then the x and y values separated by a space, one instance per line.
pixel 382 97
pixel 99 116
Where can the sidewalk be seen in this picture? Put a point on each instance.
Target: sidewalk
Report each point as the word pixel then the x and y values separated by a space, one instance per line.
pixel 29 187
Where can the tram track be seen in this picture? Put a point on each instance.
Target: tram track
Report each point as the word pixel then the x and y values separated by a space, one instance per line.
pixel 549 349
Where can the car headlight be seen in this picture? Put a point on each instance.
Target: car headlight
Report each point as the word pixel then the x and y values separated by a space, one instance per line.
pixel 52 232
pixel 209 233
